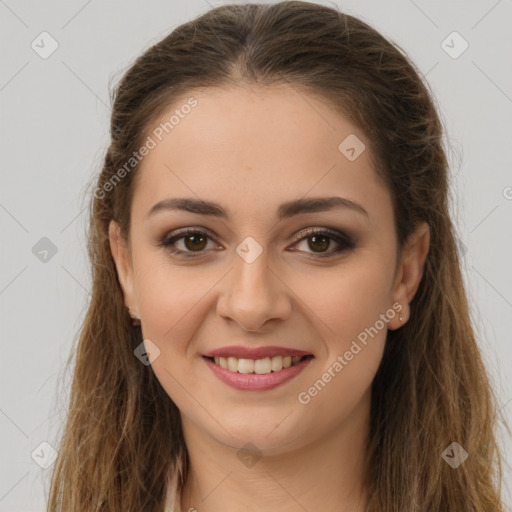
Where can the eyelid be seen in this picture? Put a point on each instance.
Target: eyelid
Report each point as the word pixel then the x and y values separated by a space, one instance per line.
pixel 335 233
pixel 187 230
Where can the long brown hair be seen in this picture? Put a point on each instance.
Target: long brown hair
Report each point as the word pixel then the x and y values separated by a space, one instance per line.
pixel 122 446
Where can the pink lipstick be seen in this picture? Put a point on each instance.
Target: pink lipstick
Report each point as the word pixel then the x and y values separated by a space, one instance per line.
pixel 256 369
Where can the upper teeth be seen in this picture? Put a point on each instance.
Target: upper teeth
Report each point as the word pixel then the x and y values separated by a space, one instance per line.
pixel 259 366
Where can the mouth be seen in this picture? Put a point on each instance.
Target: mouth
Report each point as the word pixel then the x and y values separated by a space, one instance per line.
pixel 262 374
pixel 258 366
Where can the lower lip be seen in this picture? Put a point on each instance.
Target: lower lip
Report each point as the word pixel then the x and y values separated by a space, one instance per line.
pixel 255 382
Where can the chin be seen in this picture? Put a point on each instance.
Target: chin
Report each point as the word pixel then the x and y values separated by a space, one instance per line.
pixel 269 437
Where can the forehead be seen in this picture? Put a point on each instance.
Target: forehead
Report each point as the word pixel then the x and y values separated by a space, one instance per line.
pixel 256 147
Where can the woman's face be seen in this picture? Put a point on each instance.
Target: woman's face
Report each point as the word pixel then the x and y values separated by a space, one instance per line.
pixel 254 277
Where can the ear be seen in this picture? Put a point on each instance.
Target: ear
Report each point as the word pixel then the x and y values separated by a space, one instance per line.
pixel 410 272
pixel 122 257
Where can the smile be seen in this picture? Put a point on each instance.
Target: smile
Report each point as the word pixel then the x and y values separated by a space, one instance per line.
pixel 258 366
pixel 257 374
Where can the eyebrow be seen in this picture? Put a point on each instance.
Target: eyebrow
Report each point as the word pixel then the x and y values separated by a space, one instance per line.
pixel 285 210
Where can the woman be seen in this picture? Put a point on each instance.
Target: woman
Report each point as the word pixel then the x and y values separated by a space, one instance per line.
pixel 278 317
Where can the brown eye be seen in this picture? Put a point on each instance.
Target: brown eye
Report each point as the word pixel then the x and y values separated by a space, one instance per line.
pixel 319 240
pixel 195 242
pixel 192 241
pixel 319 243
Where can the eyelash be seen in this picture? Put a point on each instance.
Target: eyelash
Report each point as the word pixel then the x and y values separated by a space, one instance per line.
pixel 346 243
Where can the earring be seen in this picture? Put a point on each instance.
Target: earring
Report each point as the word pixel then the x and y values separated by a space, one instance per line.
pixel 400 317
pixel 135 318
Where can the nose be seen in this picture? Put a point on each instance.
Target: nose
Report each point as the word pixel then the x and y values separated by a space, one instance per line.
pixel 253 295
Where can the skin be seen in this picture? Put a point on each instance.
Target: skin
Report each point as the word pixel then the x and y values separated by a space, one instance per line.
pixel 251 149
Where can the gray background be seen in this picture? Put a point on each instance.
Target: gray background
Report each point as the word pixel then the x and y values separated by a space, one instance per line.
pixel 54 126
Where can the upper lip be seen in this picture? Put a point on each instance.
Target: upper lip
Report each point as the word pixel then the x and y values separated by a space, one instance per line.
pixel 255 352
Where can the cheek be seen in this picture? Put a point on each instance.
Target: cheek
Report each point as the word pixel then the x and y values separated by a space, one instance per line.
pixel 347 299
pixel 170 298
pixel 340 388
pixel 352 308
pixel 354 345
pixel 171 306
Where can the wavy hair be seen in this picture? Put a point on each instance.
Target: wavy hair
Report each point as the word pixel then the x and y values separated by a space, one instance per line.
pixel 122 448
